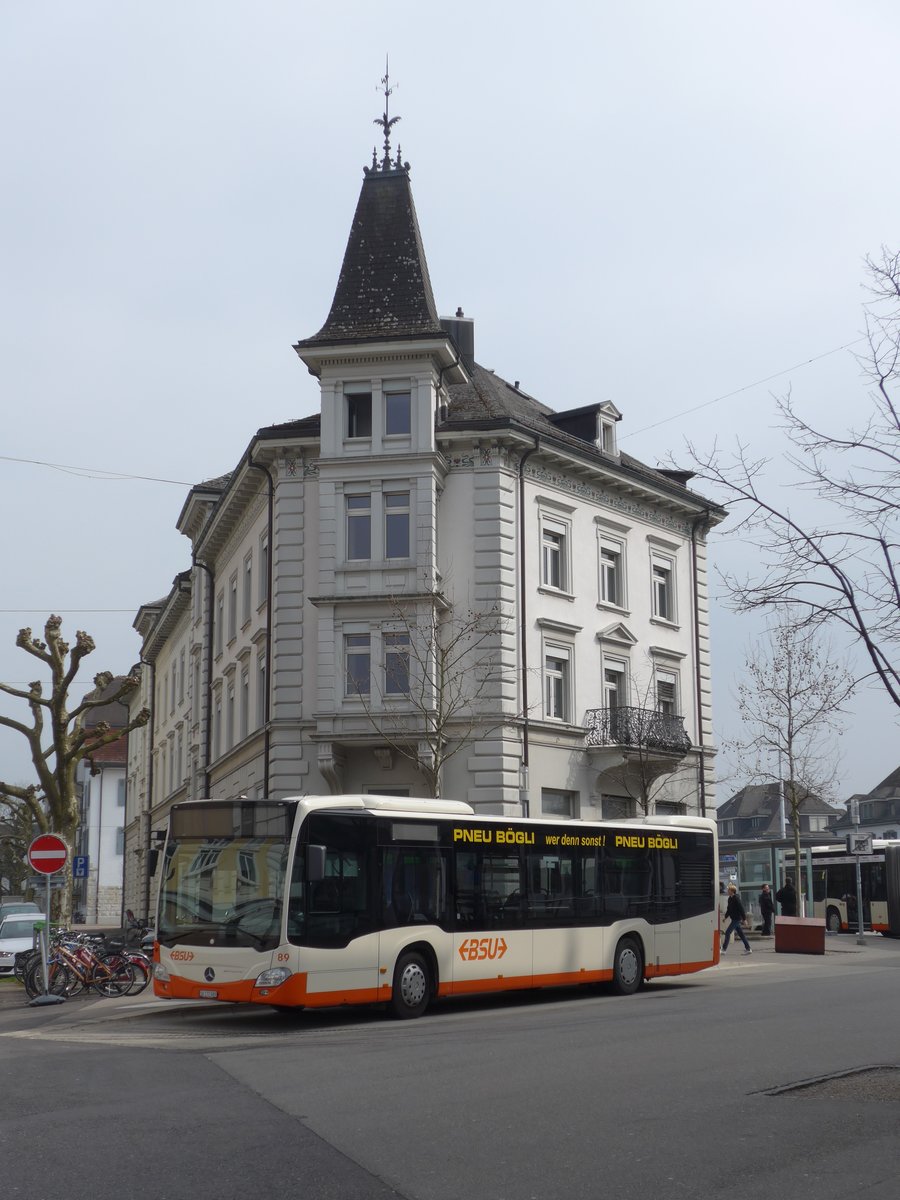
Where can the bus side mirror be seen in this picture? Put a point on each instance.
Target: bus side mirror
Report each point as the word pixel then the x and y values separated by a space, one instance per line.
pixel 315 864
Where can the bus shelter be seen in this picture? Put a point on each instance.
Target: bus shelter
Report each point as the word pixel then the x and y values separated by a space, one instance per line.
pixel 749 863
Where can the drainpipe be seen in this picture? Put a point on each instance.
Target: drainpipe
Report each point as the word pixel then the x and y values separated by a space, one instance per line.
pixel 523 634
pixel 151 691
pixel 207 699
pixel 267 737
pixel 699 523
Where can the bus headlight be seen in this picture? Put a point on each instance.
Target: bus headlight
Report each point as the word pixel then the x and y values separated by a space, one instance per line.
pixel 273 977
pixel 160 972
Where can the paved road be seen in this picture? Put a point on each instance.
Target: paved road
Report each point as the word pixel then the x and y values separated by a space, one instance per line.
pixel 558 1095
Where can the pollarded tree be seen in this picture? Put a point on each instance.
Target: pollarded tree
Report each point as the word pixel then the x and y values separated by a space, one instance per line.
pixel 843 571
pixel 60 737
pixel 791 701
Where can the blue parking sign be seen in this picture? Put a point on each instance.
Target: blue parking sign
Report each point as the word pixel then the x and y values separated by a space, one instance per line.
pixel 80 866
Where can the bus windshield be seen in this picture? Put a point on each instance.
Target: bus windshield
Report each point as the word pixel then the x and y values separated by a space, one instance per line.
pixel 224 875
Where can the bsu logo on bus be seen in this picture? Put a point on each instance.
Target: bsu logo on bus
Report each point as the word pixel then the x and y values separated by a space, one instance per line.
pixel 477 949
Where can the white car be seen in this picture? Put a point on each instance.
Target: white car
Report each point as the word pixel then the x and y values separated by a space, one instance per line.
pixel 16 933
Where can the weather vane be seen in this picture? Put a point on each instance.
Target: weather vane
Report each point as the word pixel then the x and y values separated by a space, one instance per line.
pixel 387 122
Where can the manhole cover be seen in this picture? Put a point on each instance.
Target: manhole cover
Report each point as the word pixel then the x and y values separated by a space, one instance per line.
pixel 879 1084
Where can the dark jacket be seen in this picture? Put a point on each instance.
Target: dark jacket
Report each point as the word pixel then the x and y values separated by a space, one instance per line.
pixel 787 898
pixel 766 904
pixel 735 910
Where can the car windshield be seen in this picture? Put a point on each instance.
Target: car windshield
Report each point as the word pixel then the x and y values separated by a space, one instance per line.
pixel 17 929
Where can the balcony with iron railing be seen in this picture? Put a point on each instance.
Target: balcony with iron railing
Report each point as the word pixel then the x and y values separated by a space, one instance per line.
pixel 637 729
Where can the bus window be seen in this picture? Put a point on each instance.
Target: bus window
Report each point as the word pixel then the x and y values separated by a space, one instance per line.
pixel 488 890
pixel 550 888
pixel 627 877
pixel 339 905
pixel 414 886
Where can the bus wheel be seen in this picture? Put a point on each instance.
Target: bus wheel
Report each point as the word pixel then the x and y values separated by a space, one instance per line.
pixel 833 921
pixel 628 967
pixel 412 986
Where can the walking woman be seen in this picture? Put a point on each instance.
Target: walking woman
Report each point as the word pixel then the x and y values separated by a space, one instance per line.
pixel 735 914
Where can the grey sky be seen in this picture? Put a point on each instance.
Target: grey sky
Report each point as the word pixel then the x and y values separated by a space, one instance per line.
pixel 655 204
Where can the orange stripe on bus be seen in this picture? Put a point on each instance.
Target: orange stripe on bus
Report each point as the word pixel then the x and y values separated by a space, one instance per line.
pixel 295 990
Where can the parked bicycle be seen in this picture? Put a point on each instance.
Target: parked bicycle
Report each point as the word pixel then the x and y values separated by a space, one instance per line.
pixel 74 966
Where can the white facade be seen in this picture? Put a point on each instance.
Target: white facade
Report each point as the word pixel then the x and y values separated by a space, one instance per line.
pixel 102 840
pixel 298 654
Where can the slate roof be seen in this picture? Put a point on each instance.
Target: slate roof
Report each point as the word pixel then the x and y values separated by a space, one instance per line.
pixel 764 800
pixel 889 787
pixel 489 400
pixel 383 290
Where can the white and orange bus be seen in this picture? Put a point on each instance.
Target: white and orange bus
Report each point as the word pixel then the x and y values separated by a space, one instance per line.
pixel 314 901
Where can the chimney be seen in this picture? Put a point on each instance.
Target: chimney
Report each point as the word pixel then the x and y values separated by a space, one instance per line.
pixel 462 330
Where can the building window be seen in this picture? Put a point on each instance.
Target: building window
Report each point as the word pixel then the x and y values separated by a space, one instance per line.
pixel 179 759
pixel 613 684
pixel 229 717
pixel 181 672
pixel 559 804
pixel 359 415
pixel 396 664
pixel 359 526
pixel 358 660
pixel 612 573
pixel 396 525
pixel 220 622
pixel 261 692
pixel 556 684
pixel 120 840
pixel 248 587
pixel 554 555
pixel 232 608
pixel 217 729
pixel 663 584
pixel 607 437
pixel 120 793
pixel 666 693
pixel 397 413
pixel 617 808
pixel 264 568
pixel 245 703
pixel 173 688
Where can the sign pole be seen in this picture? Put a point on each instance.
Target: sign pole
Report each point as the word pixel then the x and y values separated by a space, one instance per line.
pixel 47 855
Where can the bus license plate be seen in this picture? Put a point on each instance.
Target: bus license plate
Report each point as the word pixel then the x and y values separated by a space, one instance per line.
pixel 208 994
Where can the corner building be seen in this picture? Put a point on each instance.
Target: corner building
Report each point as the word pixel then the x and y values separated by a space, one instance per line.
pixel 438 583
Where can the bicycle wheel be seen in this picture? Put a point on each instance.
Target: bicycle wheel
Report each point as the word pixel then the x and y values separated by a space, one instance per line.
pixel 113 976
pixel 143 973
pixel 59 979
pixel 23 962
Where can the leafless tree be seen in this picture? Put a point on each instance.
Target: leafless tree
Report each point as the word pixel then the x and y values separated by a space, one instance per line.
pixel 59 738
pixel 791 701
pixel 440 686
pixel 844 571
pixel 16 832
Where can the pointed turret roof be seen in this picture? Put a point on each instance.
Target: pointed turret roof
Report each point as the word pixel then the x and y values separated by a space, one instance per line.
pixel 383 290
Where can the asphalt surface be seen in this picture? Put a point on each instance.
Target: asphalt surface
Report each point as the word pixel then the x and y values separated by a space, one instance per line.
pixel 768 1074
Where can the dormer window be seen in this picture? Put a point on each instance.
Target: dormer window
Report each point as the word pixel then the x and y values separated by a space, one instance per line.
pixel 607 435
pixel 359 415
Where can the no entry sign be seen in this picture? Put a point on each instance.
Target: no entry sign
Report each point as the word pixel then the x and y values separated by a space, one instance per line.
pixel 47 854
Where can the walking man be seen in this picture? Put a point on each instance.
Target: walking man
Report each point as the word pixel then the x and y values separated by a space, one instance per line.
pixel 736 915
